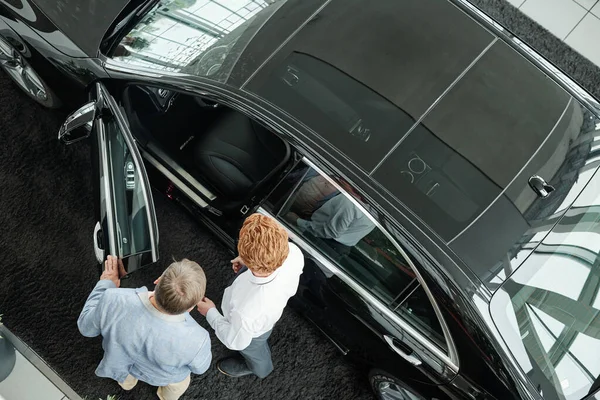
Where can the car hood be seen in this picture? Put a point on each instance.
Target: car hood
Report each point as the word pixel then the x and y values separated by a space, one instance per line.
pixel 84 23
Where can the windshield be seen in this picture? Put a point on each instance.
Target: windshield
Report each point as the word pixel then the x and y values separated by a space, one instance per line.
pixel 548 311
pixel 198 37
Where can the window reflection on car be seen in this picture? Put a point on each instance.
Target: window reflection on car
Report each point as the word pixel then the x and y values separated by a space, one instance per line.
pixel 194 37
pixel 548 310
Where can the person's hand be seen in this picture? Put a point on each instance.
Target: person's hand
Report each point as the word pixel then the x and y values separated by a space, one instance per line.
pixel 114 270
pixel 237 263
pixel 292 218
pixel 157 280
pixel 205 305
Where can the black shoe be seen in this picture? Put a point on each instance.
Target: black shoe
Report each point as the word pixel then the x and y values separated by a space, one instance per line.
pixel 234 367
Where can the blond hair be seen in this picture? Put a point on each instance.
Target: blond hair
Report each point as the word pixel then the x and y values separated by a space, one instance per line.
pixel 182 286
pixel 263 244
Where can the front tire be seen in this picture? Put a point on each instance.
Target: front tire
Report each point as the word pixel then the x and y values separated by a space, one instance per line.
pixel 388 387
pixel 22 73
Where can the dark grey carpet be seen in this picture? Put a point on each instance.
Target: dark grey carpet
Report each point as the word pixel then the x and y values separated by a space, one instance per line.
pixel 47 264
pixel 47 269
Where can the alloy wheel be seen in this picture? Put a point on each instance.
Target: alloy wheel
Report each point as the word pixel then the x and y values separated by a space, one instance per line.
pixel 13 63
pixel 390 391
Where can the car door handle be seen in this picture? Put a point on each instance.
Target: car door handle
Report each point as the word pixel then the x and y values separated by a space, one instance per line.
pixel 540 186
pixel 96 239
pixel 411 359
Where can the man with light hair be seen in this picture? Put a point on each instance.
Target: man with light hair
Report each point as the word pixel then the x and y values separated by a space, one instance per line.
pixel 149 336
pixel 268 271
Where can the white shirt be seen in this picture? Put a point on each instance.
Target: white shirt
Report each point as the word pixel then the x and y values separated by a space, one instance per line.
pixel 338 219
pixel 252 305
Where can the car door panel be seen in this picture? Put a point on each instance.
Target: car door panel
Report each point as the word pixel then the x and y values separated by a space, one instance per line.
pixel 363 327
pixel 126 225
pixel 354 324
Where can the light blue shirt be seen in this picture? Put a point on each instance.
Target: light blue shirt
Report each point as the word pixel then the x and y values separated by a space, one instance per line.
pixel 338 219
pixel 138 340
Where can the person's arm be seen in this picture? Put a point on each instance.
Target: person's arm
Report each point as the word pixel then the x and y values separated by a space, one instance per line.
pixel 231 333
pixel 201 361
pixel 340 216
pixel 89 319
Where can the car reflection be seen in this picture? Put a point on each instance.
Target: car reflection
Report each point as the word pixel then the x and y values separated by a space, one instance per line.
pixel 549 309
pixel 579 161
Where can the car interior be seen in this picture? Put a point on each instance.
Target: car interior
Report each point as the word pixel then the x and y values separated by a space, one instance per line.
pixel 230 159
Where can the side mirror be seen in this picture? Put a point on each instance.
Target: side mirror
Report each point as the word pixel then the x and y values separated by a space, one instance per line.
pixel 78 125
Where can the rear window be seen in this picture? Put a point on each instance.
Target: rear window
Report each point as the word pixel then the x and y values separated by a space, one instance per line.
pixel 548 310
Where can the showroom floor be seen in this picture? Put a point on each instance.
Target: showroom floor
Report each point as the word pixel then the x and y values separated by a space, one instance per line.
pixel 577 22
pixel 47 251
pixel 31 378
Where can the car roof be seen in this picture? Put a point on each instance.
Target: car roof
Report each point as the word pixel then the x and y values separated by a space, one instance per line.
pixel 394 88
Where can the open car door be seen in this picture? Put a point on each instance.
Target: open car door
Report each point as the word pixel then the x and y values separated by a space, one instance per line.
pixel 126 225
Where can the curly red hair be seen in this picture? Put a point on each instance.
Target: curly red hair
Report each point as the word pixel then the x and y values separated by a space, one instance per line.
pixel 263 244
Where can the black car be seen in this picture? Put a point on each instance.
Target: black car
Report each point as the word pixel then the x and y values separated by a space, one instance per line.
pixel 469 160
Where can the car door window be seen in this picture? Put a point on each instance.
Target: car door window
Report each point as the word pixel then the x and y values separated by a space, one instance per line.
pixel 417 310
pixel 126 225
pixel 130 203
pixel 334 224
pixel 331 221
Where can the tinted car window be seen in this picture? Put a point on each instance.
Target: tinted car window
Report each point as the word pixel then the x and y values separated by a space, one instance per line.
pixel 334 225
pixel 381 67
pixel 418 311
pixel 548 310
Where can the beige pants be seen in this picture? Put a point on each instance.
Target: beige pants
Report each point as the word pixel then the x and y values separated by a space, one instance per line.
pixel 172 391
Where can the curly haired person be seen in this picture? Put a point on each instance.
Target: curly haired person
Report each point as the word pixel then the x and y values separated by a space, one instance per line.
pixel 268 269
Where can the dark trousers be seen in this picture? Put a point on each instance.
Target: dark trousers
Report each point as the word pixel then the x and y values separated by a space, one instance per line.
pixel 258 353
pixel 258 356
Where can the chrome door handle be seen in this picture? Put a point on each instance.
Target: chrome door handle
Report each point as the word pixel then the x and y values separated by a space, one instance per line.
pixel 97 250
pixel 540 187
pixel 411 359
